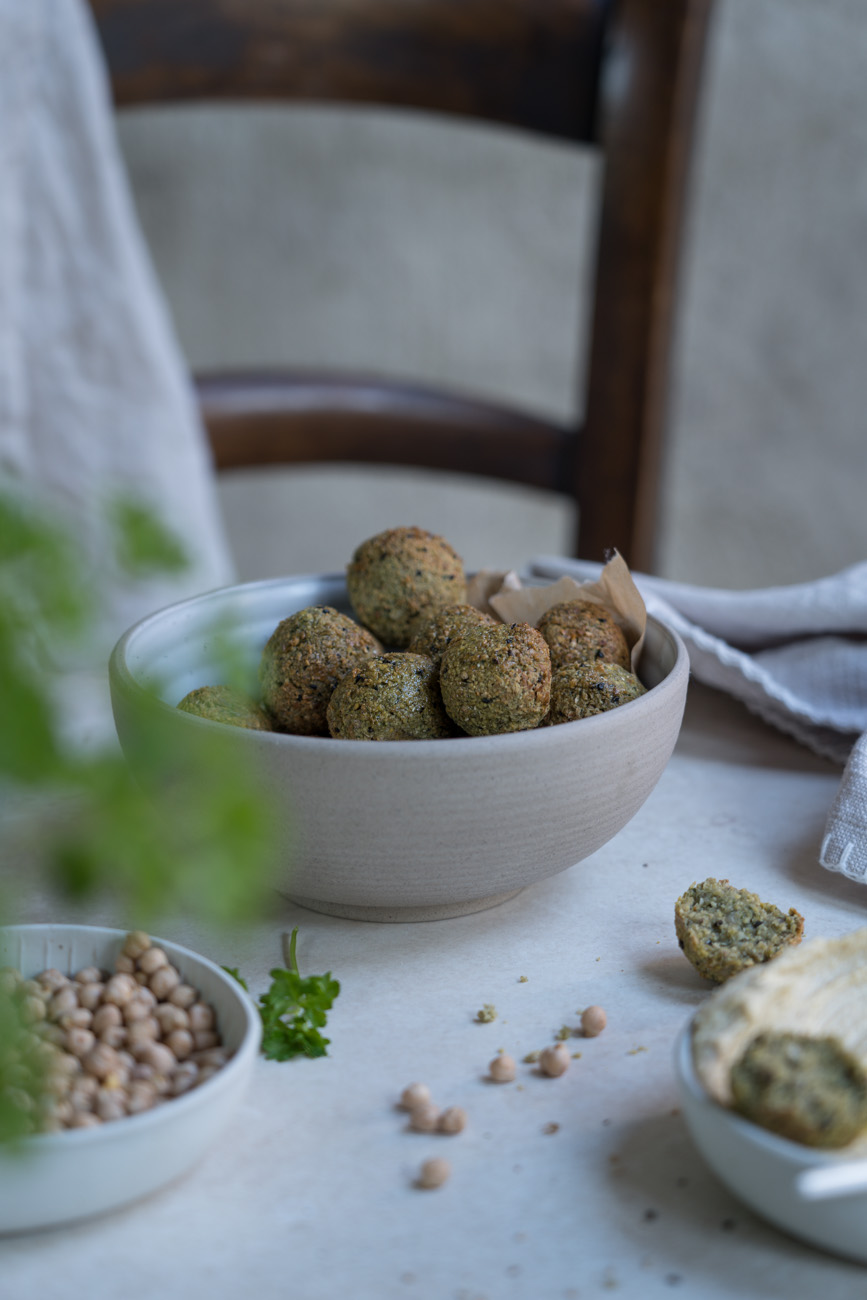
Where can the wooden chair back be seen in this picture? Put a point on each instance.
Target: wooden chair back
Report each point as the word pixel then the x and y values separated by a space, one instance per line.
pixel 621 76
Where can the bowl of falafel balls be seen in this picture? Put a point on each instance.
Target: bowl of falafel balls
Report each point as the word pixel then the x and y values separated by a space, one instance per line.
pixel 508 750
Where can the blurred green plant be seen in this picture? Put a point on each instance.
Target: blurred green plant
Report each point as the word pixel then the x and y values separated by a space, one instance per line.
pixel 190 833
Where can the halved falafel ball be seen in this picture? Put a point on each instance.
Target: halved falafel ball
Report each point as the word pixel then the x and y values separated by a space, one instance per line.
pixel 435 633
pixel 580 690
pixel 304 659
pixel 496 679
pixel 228 705
pixel 390 697
pixel 580 631
pixel 399 575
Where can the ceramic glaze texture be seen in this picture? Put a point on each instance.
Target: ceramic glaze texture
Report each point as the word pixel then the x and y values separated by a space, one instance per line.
pixel 410 830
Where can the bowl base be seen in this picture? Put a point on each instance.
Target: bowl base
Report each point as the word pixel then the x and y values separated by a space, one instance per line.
pixel 424 912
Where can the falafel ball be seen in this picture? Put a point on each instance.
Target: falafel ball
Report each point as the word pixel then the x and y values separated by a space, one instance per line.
pixel 399 575
pixel 304 659
pixel 496 679
pixel 390 697
pixel 580 631
pixel 228 705
pixel 580 690
pixel 435 633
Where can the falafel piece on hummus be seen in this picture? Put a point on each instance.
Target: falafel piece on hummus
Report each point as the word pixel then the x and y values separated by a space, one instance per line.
pixel 811 1090
pixel 580 631
pixel 434 634
pixel 390 697
pixel 227 705
pixel 496 679
pixel 302 662
pixel 399 575
pixel 580 690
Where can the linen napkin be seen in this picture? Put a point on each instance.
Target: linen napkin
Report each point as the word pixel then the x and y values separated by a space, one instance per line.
pixel 95 401
pixel 795 655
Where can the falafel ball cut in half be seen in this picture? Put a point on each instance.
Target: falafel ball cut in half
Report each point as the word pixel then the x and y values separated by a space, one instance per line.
pixel 302 662
pixel 581 631
pixel 811 1090
pixel 723 930
pixel 436 632
pixel 227 705
pixel 391 697
pixel 580 690
pixel 496 679
pixel 401 575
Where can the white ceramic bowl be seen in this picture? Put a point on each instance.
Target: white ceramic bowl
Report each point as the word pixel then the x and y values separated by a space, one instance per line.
pixel 408 830
pixel 59 1177
pixel 762 1169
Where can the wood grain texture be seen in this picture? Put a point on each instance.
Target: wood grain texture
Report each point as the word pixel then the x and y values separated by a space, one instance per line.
pixel 623 75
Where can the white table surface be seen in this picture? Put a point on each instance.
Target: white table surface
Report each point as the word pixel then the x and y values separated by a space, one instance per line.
pixel 310 1193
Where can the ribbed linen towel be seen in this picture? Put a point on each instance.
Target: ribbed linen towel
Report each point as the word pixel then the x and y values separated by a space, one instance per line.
pixel 95 400
pixel 796 655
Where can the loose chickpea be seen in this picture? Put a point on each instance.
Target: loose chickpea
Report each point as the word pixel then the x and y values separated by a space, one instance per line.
pixel 124 965
pixel 80 1018
pixel 62 1002
pixel 554 1061
pixel 141 1032
pixel 84 1119
pixel 30 988
pixel 201 1016
pixel 141 977
pixel 108 1016
pixel 183 996
pixel 163 981
pixel 593 1021
pixel 79 1041
pixel 185 1077
pixel 31 1008
pixel 502 1068
pixel 204 1039
pixel 424 1117
pixel 52 979
pixel 135 944
pixel 85 1086
pixel 90 994
pixel 142 1096
pixel 414 1094
pixel 110 1104
pixel 50 1033
pixel 119 990
pixel 151 960
pixel 101 1061
pixel 114 1036
pixel 180 1042
pixel 9 979
pixel 171 1017
pixel 88 975
pixel 452 1120
pixel 434 1173
pixel 137 1009
pixel 158 1055
pixel 211 1057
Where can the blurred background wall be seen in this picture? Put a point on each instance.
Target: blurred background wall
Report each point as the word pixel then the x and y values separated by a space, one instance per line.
pixel 407 246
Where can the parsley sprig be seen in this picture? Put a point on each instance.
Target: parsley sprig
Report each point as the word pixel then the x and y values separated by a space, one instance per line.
pixel 294 1010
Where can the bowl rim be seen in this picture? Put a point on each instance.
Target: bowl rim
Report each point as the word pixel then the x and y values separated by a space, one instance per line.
pixel 122 679
pixel 782 1149
pixel 241 1059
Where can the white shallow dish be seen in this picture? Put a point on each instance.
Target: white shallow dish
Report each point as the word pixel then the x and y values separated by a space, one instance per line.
pixel 54 1178
pixel 763 1170
pixel 405 830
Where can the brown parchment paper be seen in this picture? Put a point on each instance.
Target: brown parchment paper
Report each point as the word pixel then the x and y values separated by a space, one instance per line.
pixel 502 595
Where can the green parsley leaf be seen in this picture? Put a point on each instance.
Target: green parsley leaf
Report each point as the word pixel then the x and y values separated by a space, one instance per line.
pixel 236 975
pixel 294 1010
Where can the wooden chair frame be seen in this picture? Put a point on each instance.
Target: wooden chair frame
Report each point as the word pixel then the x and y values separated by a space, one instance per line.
pixel 621 75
